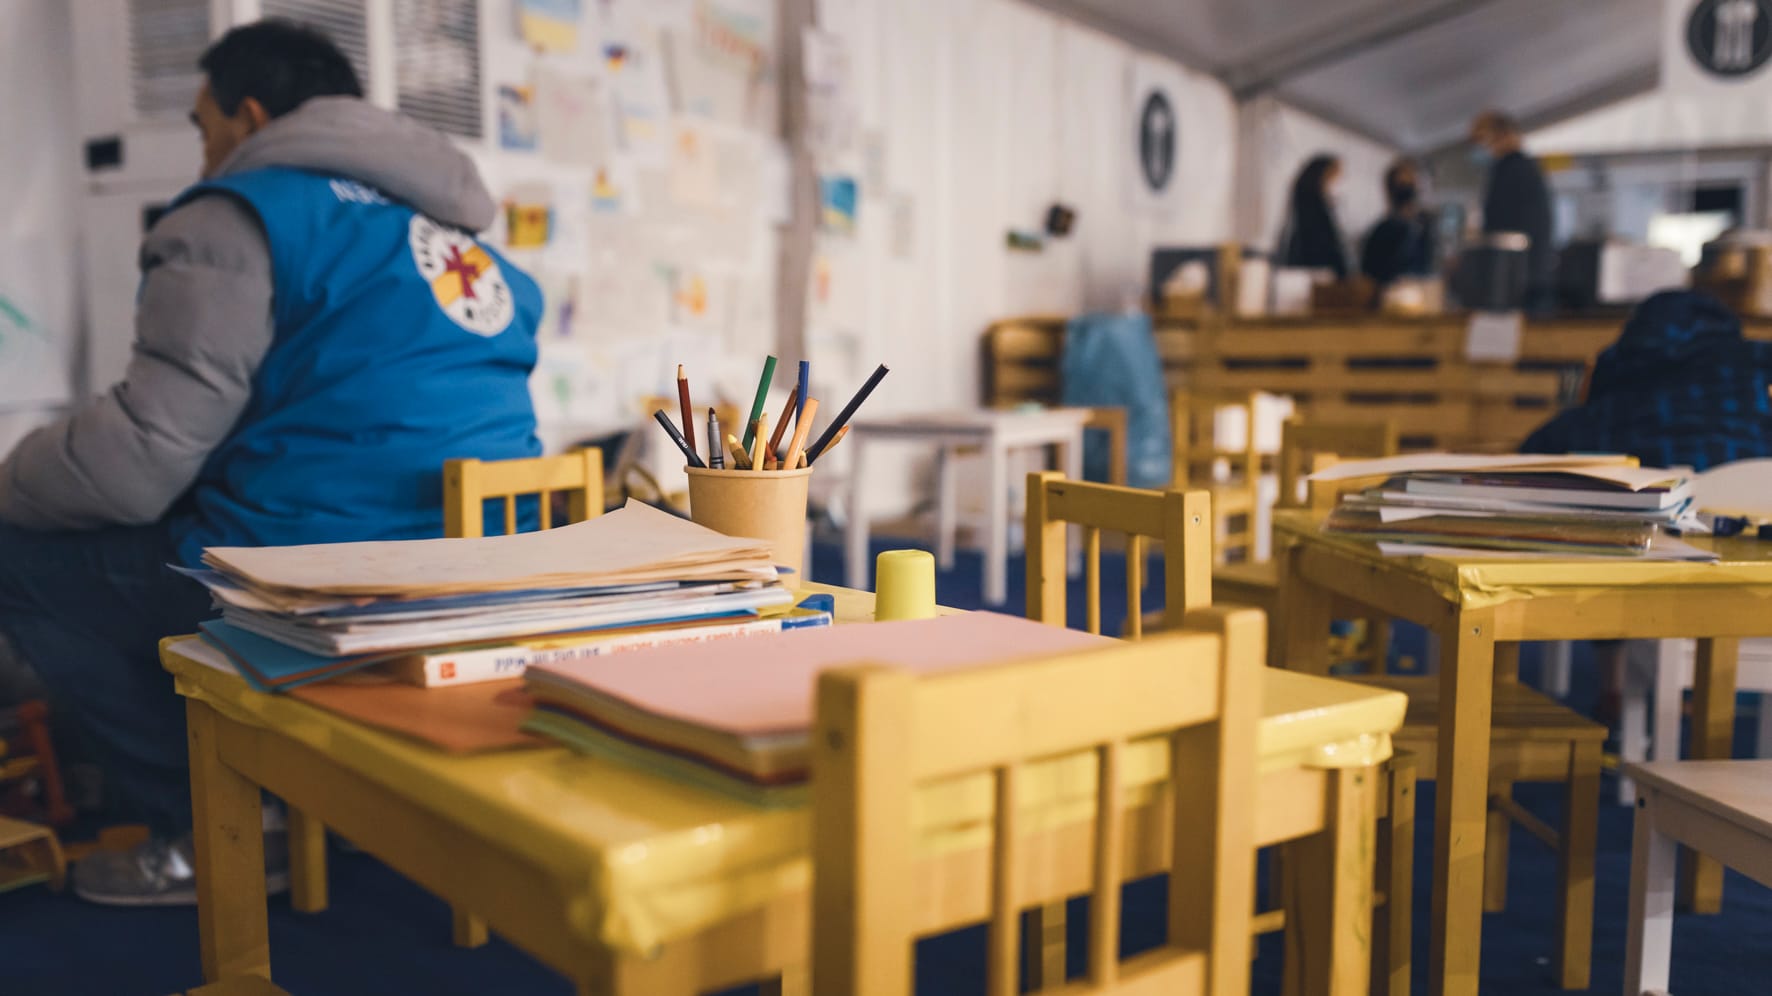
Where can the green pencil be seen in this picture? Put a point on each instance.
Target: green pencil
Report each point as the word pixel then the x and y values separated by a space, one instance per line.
pixel 757 405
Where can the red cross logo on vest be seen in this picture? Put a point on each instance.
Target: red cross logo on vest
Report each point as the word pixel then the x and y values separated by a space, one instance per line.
pixel 464 278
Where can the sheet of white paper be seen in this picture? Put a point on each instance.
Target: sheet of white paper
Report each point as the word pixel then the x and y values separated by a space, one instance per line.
pixel 1493 337
pixel 1740 488
pixel 1662 548
pixel 1392 513
pixel 1603 467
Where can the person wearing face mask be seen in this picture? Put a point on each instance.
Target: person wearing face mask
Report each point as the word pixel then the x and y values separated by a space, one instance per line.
pixel 1401 244
pixel 317 329
pixel 1312 239
pixel 1516 199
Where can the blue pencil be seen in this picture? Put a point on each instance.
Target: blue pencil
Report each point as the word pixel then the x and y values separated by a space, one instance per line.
pixel 800 405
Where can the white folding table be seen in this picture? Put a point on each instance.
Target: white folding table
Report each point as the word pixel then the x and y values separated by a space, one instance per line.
pixel 997 434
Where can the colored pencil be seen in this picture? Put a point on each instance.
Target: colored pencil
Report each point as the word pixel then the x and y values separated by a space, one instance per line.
pixel 739 460
pixel 716 449
pixel 842 420
pixel 677 437
pixel 688 409
pixel 759 446
pixel 805 377
pixel 797 448
pixel 762 395
pixel 781 427
pixel 837 439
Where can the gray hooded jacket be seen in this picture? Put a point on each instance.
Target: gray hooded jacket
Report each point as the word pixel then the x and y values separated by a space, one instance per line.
pixel 203 321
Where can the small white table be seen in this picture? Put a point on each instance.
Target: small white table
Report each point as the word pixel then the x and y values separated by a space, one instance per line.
pixel 1721 809
pixel 997 434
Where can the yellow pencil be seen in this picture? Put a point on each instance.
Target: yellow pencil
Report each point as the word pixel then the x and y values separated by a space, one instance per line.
pixel 791 456
pixel 740 461
pixel 760 441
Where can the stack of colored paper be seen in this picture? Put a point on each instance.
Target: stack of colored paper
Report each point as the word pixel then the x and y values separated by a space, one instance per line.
pixel 1566 506
pixel 297 614
pixel 737 716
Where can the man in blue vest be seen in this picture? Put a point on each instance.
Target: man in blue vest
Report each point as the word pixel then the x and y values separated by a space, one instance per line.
pixel 317 330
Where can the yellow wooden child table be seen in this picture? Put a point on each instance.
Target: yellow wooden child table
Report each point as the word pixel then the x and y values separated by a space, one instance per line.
pixel 1475 601
pixel 630 883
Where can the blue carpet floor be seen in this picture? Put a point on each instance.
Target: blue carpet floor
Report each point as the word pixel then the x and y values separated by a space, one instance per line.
pixel 384 935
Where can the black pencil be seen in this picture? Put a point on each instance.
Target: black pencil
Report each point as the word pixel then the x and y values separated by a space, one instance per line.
pixel 677 437
pixel 848 412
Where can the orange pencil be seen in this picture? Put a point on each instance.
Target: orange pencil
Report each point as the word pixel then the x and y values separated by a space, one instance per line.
pixel 781 427
pixel 688 409
pixel 834 441
pixel 797 448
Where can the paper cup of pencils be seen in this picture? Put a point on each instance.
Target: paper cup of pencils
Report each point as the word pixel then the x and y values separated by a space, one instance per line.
pixel 769 505
pixel 756 486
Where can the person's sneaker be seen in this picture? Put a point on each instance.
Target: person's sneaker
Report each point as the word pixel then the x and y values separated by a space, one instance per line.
pixel 160 872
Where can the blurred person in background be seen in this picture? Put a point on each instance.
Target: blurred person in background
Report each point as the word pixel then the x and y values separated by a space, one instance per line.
pixel 1401 244
pixel 1312 238
pixel 1516 199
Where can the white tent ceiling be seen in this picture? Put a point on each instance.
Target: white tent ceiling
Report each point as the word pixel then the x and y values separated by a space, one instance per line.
pixel 1408 72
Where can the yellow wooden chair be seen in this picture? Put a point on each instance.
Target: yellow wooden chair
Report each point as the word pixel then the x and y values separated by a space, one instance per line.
pixel 467 486
pixel 1307 446
pixel 881 733
pixel 1196 461
pixel 1181 522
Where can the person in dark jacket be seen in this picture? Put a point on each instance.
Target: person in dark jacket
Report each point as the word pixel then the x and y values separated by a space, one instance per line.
pixel 1402 243
pixel 1680 387
pixel 1517 199
pixel 1312 239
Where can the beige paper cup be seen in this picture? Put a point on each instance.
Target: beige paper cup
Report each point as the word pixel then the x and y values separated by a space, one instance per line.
pixel 769 505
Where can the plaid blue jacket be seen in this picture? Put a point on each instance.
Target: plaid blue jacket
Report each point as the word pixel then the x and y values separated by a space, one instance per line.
pixel 1680 387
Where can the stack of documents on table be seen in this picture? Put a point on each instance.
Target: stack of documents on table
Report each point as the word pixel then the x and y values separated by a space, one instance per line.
pixel 736 716
pixel 1560 506
pixel 296 614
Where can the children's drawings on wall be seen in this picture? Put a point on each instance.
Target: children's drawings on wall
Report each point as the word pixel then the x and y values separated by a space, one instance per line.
pixel 548 25
pixel 529 217
pixel 838 197
pixel 632 60
pixel 695 172
pixel 516 118
pixel 721 64
pixel 572 116
pixel 830 95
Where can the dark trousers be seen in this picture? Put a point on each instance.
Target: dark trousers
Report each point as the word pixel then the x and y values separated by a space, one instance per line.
pixel 86 612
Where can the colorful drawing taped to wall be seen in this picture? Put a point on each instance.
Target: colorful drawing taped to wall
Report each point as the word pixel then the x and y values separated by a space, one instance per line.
pixel 608 193
pixel 731 38
pixel 548 25
pixel 633 66
pixel 573 118
pixel 838 197
pixel 517 127
pixel 528 225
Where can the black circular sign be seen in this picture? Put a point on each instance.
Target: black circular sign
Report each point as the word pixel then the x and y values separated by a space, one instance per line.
pixel 1156 141
pixel 1730 38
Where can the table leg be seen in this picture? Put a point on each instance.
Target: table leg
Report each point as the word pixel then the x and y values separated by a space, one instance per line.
pixel 1575 858
pixel 947 509
pixel 1391 927
pixel 1331 876
pixel 1495 849
pixel 1467 688
pixel 1713 729
pixel 1303 623
pixel 307 862
pixel 466 929
pixel 996 555
pixel 232 935
pixel 1649 942
pixel 855 530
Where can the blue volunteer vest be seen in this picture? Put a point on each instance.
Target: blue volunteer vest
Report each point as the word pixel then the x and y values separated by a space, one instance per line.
pixel 398 343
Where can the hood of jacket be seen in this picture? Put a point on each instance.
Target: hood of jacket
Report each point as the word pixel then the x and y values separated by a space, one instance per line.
pixel 1668 331
pixel 346 136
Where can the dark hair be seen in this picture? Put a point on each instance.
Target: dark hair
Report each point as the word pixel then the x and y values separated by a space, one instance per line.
pixel 1394 192
pixel 1307 190
pixel 279 63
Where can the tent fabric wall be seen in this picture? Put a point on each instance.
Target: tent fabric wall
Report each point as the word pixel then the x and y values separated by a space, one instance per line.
pixel 37 193
pixel 1275 140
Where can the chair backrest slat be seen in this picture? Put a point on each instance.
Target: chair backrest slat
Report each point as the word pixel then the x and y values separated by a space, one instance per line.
pixel 469 484
pixel 1302 439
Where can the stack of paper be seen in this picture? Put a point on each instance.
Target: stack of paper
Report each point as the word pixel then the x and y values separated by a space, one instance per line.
pixel 296 614
pixel 1563 506
pixel 737 717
